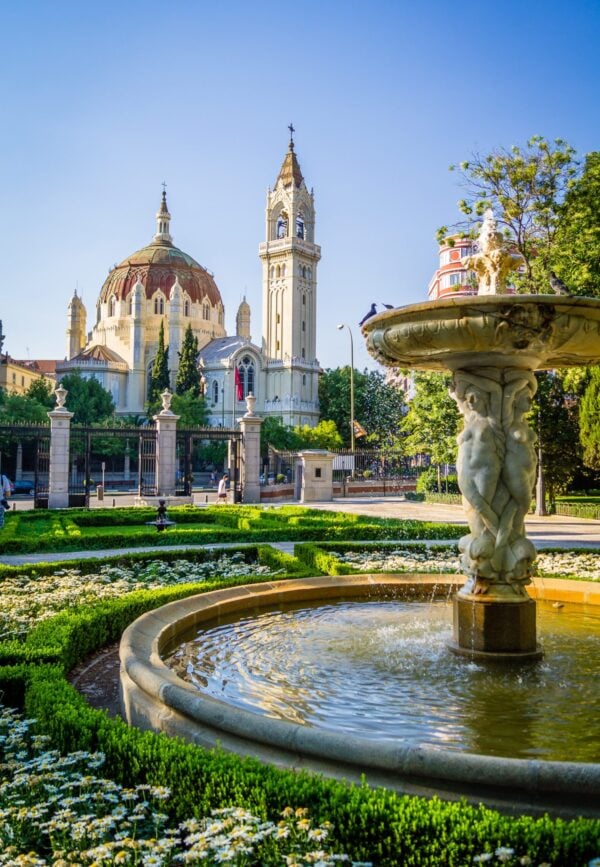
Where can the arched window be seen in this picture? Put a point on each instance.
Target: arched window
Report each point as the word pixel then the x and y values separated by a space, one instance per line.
pixel 303 352
pixel 215 391
pixel 244 381
pixel 278 271
pixel 304 271
pixel 304 300
pixel 309 273
pixel 272 271
pixel 159 305
pixel 130 305
pixel 283 270
pixel 206 311
pixel 300 226
pixel 186 308
pixel 282 224
pixel 111 305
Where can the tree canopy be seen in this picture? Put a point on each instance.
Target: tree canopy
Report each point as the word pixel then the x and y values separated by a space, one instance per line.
pixel 526 188
pixel 556 421
pixel 43 391
pixel 378 406
pixel 87 399
pixel 589 420
pixel 431 423
pixel 575 257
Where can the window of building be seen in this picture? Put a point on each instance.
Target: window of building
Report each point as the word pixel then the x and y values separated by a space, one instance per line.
pixel 220 317
pixel 277 346
pixel 215 391
pixel 283 270
pixel 159 305
pixel 111 305
pixel 300 226
pixel 245 379
pixel 457 279
pixel 22 380
pixel 130 305
pixel 278 271
pixel 278 318
pixel 465 251
pixel 303 352
pixel 272 271
pixel 14 378
pixel 309 273
pixel 282 224
pixel 304 300
pixel 303 379
pixel 206 311
pixel 186 308
pixel 303 325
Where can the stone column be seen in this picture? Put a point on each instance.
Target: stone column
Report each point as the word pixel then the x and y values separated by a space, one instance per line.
pixel 317 476
pixel 60 431
pixel 250 458
pixel 166 454
pixel 19 468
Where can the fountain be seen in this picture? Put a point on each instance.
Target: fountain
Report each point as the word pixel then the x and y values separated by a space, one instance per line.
pixel 492 343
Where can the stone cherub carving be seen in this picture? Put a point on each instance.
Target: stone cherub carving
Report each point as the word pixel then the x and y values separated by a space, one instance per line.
pixel 493 262
pixel 496 468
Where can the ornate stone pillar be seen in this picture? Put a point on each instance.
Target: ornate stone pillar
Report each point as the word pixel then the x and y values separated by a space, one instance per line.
pixel 166 452
pixel 60 431
pixel 250 458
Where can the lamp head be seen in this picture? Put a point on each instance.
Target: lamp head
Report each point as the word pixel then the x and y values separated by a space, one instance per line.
pixel 340 327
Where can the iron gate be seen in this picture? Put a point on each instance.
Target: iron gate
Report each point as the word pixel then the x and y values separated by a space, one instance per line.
pixel 204 453
pixel 25 458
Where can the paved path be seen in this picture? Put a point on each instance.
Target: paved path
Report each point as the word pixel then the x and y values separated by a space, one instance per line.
pixel 548 532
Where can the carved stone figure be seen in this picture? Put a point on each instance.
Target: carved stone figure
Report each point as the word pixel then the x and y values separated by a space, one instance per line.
pixel 496 471
pixel 493 262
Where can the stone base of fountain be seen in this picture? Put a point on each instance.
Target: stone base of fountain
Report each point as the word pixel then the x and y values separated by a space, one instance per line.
pixel 493 630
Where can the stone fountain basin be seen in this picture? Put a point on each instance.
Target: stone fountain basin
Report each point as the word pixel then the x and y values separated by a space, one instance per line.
pixel 154 698
pixel 532 332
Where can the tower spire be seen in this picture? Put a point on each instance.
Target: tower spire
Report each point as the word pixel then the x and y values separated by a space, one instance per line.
pixel 163 219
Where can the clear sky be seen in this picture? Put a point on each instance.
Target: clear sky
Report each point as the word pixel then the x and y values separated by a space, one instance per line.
pixel 102 101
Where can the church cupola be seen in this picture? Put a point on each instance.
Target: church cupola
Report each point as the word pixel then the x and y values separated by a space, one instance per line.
pixel 163 220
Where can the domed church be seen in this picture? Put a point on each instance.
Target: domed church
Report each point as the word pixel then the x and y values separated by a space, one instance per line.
pixel 162 284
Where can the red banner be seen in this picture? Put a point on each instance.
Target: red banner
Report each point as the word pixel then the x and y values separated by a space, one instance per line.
pixel 239 388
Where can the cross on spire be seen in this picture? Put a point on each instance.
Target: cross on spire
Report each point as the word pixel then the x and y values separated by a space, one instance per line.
pixel 292 131
pixel 164 186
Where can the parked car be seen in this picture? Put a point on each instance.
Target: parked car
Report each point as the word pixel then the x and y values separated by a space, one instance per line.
pixel 23 486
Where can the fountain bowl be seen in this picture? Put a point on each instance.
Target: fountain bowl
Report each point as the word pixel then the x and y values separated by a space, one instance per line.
pixel 154 698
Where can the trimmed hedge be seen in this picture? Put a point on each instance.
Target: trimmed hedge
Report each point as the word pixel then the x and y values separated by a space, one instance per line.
pixel 74 530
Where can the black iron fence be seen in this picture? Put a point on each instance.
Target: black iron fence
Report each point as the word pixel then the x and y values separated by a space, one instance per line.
pixel 203 455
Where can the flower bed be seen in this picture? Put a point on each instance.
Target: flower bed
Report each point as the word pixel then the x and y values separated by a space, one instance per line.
pixel 339 559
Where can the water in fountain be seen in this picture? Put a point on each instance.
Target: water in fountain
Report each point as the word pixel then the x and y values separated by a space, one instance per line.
pixel 380 669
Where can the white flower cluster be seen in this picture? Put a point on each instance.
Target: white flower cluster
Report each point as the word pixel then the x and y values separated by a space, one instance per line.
pixel 55 810
pixel 28 599
pixel 585 566
pixel 506 855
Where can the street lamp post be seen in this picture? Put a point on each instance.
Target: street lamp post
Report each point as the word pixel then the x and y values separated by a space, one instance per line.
pixel 351 386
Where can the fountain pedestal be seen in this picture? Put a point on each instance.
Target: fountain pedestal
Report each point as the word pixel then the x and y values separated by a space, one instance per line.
pixel 492 344
pixel 494 629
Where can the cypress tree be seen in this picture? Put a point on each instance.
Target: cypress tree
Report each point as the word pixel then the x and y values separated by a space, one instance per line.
pixel 159 378
pixel 188 375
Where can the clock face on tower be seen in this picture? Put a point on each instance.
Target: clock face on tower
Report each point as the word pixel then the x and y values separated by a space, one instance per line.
pixel 455 255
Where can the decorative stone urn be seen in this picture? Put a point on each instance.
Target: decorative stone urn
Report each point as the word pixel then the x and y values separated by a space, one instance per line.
pixel 492 344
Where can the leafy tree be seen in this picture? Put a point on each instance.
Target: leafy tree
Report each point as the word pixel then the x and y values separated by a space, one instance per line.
pixel 87 399
pixel 526 188
pixel 378 406
pixel 21 409
pixel 589 420
pixel 431 423
pixel 190 408
pixel 159 378
pixel 576 254
pixel 43 391
pixel 555 419
pixel 324 436
pixel 188 375
pixel 273 432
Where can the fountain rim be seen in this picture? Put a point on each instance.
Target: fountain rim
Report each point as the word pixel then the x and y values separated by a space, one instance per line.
pixel 153 697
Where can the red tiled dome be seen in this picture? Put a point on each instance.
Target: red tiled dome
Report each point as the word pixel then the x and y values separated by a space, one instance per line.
pixel 157 266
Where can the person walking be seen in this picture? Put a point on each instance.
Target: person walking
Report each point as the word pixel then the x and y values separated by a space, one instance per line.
pixel 222 490
pixel 6 486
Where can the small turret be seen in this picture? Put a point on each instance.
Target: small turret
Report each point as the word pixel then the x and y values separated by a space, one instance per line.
pixel 163 220
pixel 76 333
pixel 242 320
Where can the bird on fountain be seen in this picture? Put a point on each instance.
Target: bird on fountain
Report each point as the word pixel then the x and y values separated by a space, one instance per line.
pixel 368 315
pixel 557 285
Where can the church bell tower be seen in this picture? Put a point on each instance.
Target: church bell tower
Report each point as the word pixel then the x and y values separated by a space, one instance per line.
pixel 289 259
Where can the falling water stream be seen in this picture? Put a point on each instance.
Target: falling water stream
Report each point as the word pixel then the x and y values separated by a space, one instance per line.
pixel 381 669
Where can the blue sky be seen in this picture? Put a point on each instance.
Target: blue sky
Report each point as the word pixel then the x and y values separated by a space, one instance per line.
pixel 101 102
